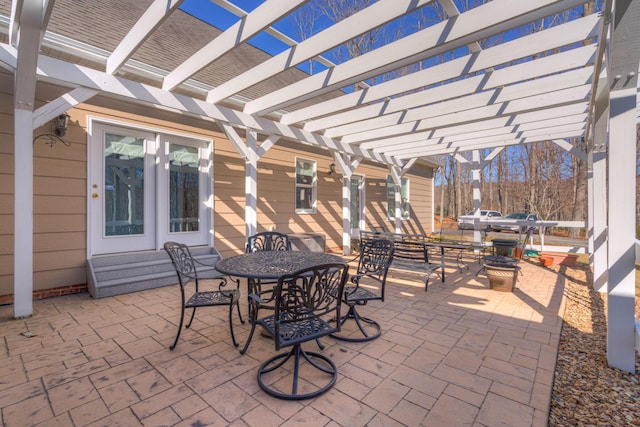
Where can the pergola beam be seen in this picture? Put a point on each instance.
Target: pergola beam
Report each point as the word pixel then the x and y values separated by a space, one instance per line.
pixel 260 18
pixel 463 133
pixel 535 95
pixel 152 18
pixel 550 39
pixel 72 75
pixel 546 66
pixel 481 22
pixel 375 15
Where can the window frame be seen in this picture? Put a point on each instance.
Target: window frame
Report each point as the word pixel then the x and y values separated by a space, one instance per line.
pixel 313 186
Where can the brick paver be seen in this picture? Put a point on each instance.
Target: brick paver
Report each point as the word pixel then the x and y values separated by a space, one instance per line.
pixel 459 354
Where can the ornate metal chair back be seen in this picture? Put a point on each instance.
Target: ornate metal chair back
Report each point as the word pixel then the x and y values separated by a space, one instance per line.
pixel 303 298
pixel 268 241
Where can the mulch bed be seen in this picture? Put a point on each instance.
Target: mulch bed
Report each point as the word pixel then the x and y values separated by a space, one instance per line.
pixel 586 391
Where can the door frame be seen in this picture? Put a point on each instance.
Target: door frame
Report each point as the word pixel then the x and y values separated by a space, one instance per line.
pixel 205 167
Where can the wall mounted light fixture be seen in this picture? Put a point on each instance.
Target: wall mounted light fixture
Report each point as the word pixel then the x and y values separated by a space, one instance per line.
pixel 59 125
pixel 332 169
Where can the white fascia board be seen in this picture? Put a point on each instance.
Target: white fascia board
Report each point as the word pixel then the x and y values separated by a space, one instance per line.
pixel 151 19
pixel 439 150
pixel 553 38
pixel 501 128
pixel 479 23
pixel 71 75
pixel 394 149
pixel 549 65
pixel 433 118
pixel 260 18
pixel 371 17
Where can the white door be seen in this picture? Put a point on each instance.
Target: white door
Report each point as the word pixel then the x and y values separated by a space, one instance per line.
pixel 357 205
pixel 146 188
pixel 185 200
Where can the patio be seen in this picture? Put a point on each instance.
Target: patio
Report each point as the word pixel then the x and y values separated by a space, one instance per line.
pixel 459 354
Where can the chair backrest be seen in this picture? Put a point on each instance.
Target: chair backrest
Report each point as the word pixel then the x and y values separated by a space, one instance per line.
pixel 182 261
pixel 308 294
pixel 375 258
pixel 268 241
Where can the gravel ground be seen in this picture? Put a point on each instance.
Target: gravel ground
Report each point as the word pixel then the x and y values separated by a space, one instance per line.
pixel 587 392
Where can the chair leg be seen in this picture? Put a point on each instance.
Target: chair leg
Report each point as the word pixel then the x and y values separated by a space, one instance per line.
pixel 233 337
pixel 353 314
pixel 316 360
pixel 193 313
pixel 179 329
pixel 253 317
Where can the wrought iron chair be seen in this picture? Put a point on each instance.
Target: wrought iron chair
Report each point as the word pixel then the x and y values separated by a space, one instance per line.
pixel 268 241
pixel 186 269
pixel 264 241
pixel 303 300
pixel 375 258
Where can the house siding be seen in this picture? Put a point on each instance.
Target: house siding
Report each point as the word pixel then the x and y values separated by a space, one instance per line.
pixel 60 192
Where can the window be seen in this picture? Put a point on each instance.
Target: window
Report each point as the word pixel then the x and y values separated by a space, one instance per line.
pixel 305 186
pixel 391 198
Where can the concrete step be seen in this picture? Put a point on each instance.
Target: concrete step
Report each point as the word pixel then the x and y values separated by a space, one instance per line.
pixel 110 275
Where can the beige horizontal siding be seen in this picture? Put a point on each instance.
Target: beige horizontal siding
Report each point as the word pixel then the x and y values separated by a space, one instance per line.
pixel 60 191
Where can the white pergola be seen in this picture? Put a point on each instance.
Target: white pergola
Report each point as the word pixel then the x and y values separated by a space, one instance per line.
pixel 573 80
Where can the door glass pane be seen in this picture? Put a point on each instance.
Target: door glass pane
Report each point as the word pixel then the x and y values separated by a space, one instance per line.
pixel 184 188
pixel 123 185
pixel 355 203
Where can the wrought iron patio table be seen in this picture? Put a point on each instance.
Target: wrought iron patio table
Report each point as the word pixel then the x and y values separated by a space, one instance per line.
pixel 270 265
pixel 461 248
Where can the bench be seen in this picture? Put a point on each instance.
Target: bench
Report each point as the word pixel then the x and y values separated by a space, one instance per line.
pixel 411 253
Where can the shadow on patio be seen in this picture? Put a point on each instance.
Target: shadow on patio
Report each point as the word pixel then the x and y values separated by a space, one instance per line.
pixel 459 354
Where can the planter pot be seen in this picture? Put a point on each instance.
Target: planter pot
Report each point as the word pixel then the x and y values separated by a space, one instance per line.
pixel 502 277
pixel 546 261
pixel 561 258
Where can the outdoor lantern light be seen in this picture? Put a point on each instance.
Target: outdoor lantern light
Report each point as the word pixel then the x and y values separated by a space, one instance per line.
pixel 60 125
pixel 332 169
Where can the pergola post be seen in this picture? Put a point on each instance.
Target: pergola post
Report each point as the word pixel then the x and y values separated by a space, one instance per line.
pixel 396 176
pixel 251 153
pixel 346 214
pixel 251 184
pixel 23 219
pixel 476 168
pixel 625 56
pixel 596 186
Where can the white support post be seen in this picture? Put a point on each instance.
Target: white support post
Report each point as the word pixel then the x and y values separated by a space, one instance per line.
pixel 397 180
pixel 346 214
pixel 625 55
pixel 346 168
pixel 23 218
pixel 597 187
pixel 477 196
pixel 251 184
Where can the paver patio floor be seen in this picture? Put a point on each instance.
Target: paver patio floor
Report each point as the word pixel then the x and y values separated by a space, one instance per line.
pixel 457 355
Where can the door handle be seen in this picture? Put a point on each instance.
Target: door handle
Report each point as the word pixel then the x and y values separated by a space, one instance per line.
pixel 94 195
